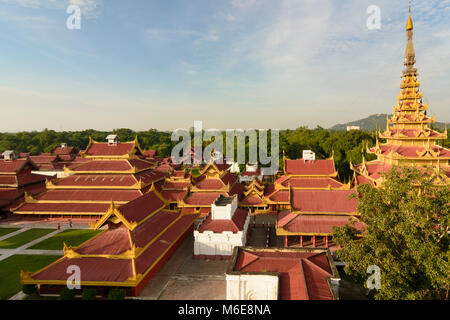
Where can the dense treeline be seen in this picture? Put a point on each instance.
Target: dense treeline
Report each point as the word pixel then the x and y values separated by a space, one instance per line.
pixel 347 146
pixel 45 141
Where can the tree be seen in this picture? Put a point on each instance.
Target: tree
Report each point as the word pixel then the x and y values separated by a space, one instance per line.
pixel 407 237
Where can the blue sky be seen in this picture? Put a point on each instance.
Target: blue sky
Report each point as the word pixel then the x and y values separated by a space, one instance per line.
pixel 231 63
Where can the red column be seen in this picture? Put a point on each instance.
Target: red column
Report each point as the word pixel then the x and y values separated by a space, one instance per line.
pixel 326 241
pixel 285 242
pixel 314 241
pixel 301 241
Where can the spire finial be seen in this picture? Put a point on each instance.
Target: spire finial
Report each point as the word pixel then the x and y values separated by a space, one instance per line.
pixel 409 24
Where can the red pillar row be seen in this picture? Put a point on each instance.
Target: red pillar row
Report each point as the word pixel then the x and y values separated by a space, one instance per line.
pixel 301 241
pixel 285 242
pixel 314 241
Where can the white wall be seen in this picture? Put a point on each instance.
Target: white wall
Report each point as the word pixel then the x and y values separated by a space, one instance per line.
pixel 210 243
pixel 252 287
pixel 224 212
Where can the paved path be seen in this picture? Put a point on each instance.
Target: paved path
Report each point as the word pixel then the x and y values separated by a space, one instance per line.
pixel 12 234
pixel 32 252
pixel 6 253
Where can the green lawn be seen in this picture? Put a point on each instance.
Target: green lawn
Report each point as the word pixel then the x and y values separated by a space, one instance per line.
pixel 72 237
pixel 24 238
pixel 5 231
pixel 10 271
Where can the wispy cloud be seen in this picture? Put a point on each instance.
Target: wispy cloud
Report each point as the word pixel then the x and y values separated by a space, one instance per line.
pixel 90 9
pixel 167 35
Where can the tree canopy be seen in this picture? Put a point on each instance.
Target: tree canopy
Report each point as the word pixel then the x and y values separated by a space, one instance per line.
pixel 407 237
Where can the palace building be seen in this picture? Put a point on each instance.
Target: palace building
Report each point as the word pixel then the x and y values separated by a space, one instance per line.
pixel 214 180
pixel 302 174
pixel 253 198
pixel 142 234
pixel 309 201
pixel 17 181
pixel 115 172
pixel 285 274
pixel 224 228
pixel 176 187
pixel 410 138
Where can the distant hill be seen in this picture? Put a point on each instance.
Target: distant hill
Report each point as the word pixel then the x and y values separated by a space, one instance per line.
pixel 371 123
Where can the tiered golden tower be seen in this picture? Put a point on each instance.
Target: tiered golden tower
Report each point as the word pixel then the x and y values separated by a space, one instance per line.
pixel 410 141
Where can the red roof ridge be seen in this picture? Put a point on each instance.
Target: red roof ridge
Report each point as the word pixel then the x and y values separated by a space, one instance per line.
pixel 315 266
pixel 305 284
pixel 252 258
pixel 286 219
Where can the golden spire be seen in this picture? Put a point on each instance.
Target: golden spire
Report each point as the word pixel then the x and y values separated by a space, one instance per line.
pixel 410 54
pixel 409 24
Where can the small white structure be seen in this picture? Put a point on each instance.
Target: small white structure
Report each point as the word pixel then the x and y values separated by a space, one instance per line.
pixel 9 155
pixel 251 172
pixel 309 155
pixel 252 286
pixel 282 273
pixel 350 128
pixel 234 166
pixel 223 229
pixel 113 139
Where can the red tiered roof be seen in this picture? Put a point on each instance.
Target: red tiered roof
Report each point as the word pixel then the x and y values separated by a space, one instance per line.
pixel 92 269
pixel 411 151
pixel 202 198
pixel 171 184
pixel 155 236
pixel 140 208
pixel 90 195
pixel 14 166
pixel 337 201
pixel 410 133
pixel 113 242
pixel 274 195
pixel 252 201
pixel 375 168
pixel 313 224
pixel 67 208
pixel 96 180
pixel 234 225
pixel 174 195
pixel 105 149
pixel 309 167
pixel 64 151
pixel 305 183
pixel 16 179
pixel 111 165
pixel 47 162
pixel 303 275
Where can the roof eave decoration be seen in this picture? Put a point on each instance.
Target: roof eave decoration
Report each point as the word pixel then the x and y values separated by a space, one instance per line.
pixel 83 153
